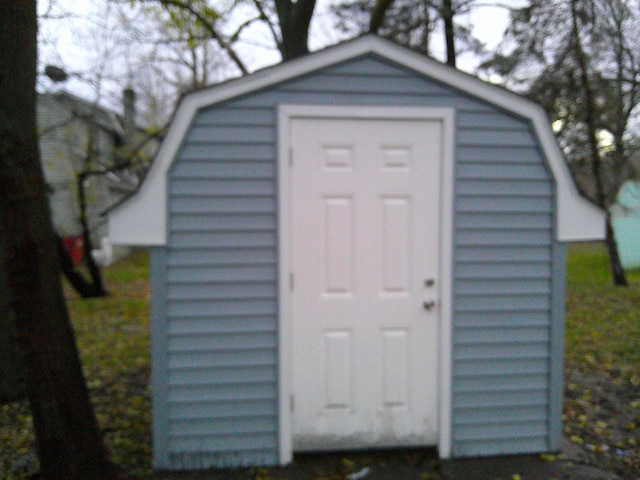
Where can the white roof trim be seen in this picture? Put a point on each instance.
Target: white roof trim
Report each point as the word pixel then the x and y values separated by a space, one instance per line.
pixel 142 219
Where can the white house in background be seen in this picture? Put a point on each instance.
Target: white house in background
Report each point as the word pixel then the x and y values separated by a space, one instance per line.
pixel 360 248
pixel 76 135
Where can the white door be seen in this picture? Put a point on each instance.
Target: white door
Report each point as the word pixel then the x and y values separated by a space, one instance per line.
pixel 365 256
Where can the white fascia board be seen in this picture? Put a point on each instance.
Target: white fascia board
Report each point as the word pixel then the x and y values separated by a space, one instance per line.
pixel 142 219
pixel 577 218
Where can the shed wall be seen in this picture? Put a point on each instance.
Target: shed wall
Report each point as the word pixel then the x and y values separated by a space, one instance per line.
pixel 216 381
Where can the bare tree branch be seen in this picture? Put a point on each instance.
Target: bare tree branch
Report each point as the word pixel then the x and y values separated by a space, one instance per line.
pixel 226 46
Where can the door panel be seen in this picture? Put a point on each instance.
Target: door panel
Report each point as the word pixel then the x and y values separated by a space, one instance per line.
pixel 365 230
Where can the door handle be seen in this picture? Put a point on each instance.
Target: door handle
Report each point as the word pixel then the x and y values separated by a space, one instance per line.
pixel 429 305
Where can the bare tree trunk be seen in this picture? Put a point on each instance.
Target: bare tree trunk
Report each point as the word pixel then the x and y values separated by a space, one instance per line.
pixel 87 244
pixel 447 16
pixel 617 271
pixel 378 14
pixel 67 436
pixel 84 288
pixel 294 17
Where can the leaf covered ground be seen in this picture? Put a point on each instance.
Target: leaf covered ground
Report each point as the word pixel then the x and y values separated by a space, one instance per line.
pixel 602 401
pixel 602 371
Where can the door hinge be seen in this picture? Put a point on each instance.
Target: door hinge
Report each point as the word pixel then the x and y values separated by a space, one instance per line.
pixel 290 157
pixel 292 402
pixel 291 281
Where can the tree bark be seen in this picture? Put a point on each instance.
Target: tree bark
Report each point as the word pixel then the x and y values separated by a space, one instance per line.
pixel 68 440
pixel 617 271
pixel 378 14
pixel 87 245
pixel 84 288
pixel 294 18
pixel 447 16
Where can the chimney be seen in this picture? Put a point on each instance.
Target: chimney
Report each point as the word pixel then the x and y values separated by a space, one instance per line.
pixel 129 114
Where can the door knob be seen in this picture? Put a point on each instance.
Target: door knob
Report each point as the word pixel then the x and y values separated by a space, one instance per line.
pixel 428 305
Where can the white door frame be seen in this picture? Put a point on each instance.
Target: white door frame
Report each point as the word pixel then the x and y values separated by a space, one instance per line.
pixel 286 113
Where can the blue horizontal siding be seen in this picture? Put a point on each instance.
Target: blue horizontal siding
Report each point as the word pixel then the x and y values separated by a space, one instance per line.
pixel 222 324
pixel 346 83
pixel 509 319
pixel 501 171
pixel 224 186
pixel 507 270
pixel 224 223
pixel 478 137
pixel 507 351
pixel 215 291
pixel 483 416
pixel 253 239
pixel 220 342
pixel 214 427
pixel 514 445
pixel 250 357
pixel 504 221
pixel 213 394
pixel 241 117
pixel 221 204
pixel 506 383
pixel 494 256
pixel 516 155
pixel 221 308
pixel 220 375
pixel 247 135
pixel 228 442
pixel 237 152
pixel 204 257
pixel 224 170
pixel 501 286
pixel 221 270
pixel 493 369
pixel 499 399
pixel 487 335
pixel 205 273
pixel 197 411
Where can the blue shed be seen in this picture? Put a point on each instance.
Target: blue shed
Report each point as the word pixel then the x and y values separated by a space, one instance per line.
pixel 360 248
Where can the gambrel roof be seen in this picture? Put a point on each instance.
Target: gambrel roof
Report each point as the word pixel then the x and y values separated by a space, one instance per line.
pixel 142 219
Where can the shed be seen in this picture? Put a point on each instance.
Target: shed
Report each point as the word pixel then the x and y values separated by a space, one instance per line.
pixel 360 248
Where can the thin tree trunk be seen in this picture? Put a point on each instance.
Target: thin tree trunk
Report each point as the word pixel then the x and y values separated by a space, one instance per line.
pixel 447 16
pixel 77 281
pixel 87 244
pixel 68 440
pixel 378 14
pixel 617 271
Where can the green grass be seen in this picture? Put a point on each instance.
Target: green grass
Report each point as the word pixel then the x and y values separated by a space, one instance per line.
pixel 112 334
pixel 602 321
pixel 602 394
pixel 114 342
